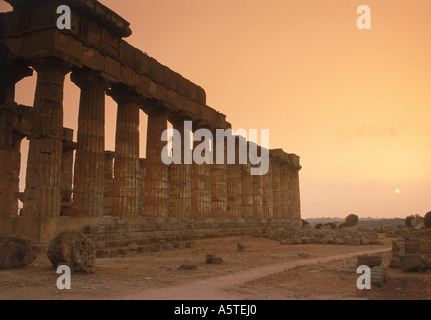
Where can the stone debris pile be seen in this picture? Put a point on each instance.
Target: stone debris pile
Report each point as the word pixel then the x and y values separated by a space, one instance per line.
pixel 325 235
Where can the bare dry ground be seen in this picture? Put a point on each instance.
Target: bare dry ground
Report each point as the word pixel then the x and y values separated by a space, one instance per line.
pixel 266 270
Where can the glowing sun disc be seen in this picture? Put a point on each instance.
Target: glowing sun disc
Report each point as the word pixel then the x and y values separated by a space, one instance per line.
pixel 397 191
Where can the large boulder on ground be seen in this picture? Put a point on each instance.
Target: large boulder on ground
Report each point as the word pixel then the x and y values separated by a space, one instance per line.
pixel 73 249
pixel 15 252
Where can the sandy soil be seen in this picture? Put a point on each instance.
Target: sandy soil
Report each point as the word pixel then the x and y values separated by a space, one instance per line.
pixel 266 270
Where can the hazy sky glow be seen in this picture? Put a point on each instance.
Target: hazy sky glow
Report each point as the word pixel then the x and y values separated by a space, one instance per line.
pixel 355 105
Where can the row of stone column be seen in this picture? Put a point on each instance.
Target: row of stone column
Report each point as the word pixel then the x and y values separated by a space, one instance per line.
pixel 216 190
pixel 119 183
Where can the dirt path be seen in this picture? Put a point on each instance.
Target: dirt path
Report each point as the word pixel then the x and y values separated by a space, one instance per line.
pixel 216 288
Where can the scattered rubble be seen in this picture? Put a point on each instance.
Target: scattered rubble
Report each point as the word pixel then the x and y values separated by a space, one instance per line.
pixel 325 235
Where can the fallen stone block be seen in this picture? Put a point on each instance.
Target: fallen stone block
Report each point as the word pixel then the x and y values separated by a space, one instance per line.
pixel 15 252
pixel 213 259
pixel 133 247
pixel 378 276
pixel 370 261
pixel 74 249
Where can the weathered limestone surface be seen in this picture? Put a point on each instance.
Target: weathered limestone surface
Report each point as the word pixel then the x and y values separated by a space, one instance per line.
pixel 295 202
pixel 218 187
pixel 268 194
pixel 233 190
pixel 15 252
pixel 125 191
pixel 234 185
pixel 42 194
pixel 156 195
pixel 73 249
pixel 90 153
pixel 67 168
pixel 141 185
pixel 247 196
pixel 276 187
pixel 180 200
pixel 201 189
pixel 108 181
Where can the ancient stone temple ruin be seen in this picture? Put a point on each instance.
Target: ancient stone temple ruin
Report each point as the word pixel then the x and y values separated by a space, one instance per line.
pixel 115 195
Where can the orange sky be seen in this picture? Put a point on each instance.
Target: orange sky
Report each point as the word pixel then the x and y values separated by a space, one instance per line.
pixel 354 104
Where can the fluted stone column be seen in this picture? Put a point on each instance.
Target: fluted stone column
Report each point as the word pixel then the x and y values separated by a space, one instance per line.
pixel 296 195
pixel 294 203
pixel 284 184
pixel 108 181
pixel 257 196
pixel 42 194
pixel 267 193
pixel 234 186
pixel 16 166
pixel 156 195
pixel 201 188
pixel 10 143
pixel 247 194
pixel 90 153
pixel 67 167
pixel 276 187
pixel 218 186
pixel 125 191
pixel 142 164
pixel 180 201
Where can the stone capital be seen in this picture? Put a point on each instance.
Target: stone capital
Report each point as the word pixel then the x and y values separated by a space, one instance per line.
pixel 125 95
pixel 48 64
pixel 177 120
pixel 153 107
pixel 15 73
pixel 89 79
